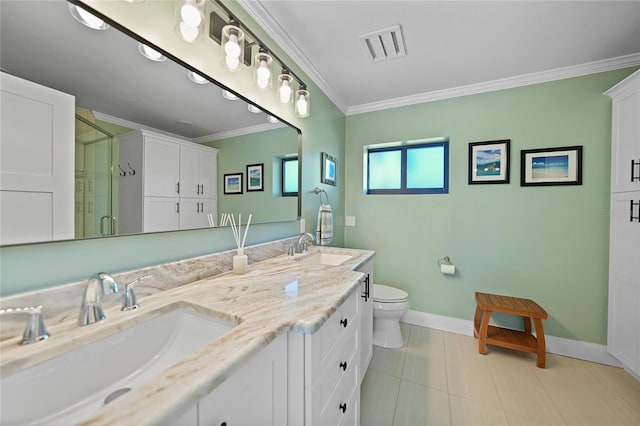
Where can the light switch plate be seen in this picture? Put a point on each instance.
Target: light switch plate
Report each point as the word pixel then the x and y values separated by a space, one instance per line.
pixel 350 221
pixel 303 227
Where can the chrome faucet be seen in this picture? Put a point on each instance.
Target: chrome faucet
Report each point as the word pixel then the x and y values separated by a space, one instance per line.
pixel 130 302
pixel 301 244
pixel 35 330
pixel 100 284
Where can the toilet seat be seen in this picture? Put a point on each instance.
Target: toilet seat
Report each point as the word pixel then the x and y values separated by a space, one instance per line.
pixel 386 294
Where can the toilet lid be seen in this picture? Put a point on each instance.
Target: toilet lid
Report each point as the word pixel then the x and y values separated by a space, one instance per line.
pixel 384 293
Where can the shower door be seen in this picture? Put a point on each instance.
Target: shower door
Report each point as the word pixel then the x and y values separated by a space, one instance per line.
pixel 96 185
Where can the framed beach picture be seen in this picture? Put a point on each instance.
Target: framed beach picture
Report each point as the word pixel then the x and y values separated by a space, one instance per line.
pixel 328 169
pixel 255 177
pixel 233 183
pixel 489 162
pixel 551 166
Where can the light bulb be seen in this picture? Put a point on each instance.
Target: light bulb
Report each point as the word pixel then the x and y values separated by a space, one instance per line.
pixel 302 106
pixel 86 18
pixel 229 95
pixel 187 32
pixel 197 78
pixel 190 14
pixel 231 47
pixel 285 91
pixel 263 74
pixel 232 63
pixel 254 109
pixel 150 53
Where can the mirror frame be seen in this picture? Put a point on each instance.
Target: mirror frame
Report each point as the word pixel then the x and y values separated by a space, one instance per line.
pixel 119 27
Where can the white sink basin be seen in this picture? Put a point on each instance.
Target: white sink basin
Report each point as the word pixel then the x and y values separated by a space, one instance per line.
pixel 324 258
pixel 71 387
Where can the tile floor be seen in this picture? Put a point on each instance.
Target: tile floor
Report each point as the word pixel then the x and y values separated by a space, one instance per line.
pixel 439 378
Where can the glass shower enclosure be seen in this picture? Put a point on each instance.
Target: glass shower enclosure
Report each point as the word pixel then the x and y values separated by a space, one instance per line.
pixel 96 182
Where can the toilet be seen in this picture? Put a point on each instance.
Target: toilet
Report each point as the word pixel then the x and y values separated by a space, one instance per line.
pixel 389 305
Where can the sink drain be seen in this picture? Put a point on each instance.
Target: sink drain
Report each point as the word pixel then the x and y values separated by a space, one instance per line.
pixel 115 394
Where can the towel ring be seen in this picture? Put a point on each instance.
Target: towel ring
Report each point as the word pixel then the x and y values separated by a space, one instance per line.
pixel 320 191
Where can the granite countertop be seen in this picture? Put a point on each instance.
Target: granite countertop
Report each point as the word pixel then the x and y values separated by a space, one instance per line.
pixel 256 301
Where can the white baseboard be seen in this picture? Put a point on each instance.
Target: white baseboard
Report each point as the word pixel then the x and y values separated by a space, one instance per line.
pixel 556 345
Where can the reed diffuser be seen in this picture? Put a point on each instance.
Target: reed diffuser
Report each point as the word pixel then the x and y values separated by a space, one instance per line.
pixel 240 260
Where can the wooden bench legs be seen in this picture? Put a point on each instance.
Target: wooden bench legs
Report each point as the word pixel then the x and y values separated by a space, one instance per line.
pixel 513 339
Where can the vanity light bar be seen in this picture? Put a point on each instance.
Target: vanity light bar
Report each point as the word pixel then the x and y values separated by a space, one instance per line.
pixel 218 33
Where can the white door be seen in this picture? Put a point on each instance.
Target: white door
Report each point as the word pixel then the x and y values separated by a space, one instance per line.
pixel 36 162
pixel 624 280
pixel 626 146
pixel 161 214
pixel 162 168
pixel 207 170
pixel 189 178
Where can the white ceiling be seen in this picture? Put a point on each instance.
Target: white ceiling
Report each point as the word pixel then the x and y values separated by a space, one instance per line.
pixel 454 47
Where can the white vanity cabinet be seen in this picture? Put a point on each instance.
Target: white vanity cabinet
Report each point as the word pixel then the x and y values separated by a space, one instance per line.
pixel 623 337
pixel 366 317
pixel 332 368
pixel 174 185
pixel 255 394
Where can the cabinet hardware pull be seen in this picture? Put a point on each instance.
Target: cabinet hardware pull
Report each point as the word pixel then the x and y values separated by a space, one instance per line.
pixel 635 164
pixel 343 322
pixel 198 189
pixel 202 189
pixel 343 407
pixel 366 295
pixel 343 365
pixel 178 207
pixel 178 187
pixel 201 207
pixel 197 207
pixel 223 424
pixel 631 216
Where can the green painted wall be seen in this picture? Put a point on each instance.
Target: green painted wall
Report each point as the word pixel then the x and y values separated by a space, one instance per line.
pixel 545 243
pixel 266 148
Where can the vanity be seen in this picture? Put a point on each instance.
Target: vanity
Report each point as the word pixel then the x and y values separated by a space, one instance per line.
pixel 292 352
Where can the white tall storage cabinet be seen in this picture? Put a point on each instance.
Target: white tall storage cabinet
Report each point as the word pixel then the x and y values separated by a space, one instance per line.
pixel 623 340
pixel 174 185
pixel 36 162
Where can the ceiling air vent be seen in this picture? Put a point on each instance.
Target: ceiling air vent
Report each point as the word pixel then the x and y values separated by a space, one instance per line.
pixel 384 44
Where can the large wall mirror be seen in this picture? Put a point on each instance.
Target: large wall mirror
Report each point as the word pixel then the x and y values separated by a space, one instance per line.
pixel 117 93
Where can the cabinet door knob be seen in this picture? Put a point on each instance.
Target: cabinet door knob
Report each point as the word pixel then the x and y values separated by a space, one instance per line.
pixel 343 365
pixel 343 407
pixel 223 424
pixel 343 322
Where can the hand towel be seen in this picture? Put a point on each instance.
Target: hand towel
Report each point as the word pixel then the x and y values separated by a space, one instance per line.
pixel 324 231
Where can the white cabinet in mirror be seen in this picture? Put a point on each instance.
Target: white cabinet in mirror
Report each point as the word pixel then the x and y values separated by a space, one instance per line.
pixel 113 90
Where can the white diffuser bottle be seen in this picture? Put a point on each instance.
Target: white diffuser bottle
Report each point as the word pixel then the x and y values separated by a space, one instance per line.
pixel 240 262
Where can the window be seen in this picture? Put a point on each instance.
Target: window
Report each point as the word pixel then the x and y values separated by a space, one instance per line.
pixel 409 169
pixel 290 177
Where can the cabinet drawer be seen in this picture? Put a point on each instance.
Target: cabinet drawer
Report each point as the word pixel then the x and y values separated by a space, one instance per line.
pixel 341 361
pixel 352 417
pixel 330 412
pixel 319 343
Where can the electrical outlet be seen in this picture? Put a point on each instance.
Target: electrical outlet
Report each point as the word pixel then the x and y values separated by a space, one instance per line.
pixel 350 221
pixel 303 227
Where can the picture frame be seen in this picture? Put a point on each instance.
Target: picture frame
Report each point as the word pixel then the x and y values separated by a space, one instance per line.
pixel 233 183
pixel 328 168
pixel 489 162
pixel 551 166
pixel 255 177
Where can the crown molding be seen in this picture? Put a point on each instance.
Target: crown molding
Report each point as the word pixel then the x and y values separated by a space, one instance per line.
pixel 238 132
pixel 501 84
pixel 263 18
pixel 201 139
pixel 133 125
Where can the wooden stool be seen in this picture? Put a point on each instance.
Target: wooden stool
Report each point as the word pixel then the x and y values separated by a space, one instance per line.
pixel 513 339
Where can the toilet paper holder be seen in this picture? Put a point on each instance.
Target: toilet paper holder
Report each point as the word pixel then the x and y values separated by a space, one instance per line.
pixel 444 261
